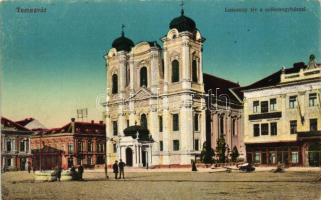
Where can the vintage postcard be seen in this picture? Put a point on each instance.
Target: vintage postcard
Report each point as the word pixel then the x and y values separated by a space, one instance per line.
pixel 160 99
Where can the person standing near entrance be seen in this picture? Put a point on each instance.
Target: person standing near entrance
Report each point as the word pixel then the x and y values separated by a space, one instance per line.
pixel 115 168
pixel 121 168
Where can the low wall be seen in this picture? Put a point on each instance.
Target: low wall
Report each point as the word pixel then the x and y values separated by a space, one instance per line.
pixel 48 176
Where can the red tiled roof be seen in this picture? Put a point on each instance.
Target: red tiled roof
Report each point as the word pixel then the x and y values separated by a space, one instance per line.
pixel 9 123
pixel 24 122
pixel 80 128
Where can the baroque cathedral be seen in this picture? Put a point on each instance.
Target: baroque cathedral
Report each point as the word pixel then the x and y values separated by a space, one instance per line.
pixel 155 108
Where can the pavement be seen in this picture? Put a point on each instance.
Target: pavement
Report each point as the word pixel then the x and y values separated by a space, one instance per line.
pixel 217 169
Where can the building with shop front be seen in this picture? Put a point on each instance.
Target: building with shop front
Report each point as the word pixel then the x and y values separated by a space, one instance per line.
pixel 74 144
pixel 282 117
pixel 156 107
pixel 15 146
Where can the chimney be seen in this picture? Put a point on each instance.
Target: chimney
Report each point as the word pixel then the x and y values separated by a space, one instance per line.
pixel 72 125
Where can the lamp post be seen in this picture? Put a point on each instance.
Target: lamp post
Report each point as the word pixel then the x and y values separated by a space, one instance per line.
pixel 106 167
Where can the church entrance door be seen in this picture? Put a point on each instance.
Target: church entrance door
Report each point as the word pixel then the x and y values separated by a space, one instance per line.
pixel 129 156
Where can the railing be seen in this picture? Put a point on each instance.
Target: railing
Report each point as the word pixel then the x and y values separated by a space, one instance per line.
pixel 265 115
pixel 301 75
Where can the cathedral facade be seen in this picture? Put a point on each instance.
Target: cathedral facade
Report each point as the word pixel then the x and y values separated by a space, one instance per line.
pixel 152 115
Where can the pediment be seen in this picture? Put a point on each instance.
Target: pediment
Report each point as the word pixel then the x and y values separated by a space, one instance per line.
pixel 141 94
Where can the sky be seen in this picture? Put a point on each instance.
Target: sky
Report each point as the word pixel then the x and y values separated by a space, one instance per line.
pixel 52 63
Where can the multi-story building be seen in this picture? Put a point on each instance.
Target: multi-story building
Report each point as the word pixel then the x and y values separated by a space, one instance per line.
pixel 224 114
pixel 76 143
pixel 155 109
pixel 15 146
pixel 282 117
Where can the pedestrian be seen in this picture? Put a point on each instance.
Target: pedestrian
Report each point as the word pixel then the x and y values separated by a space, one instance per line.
pixel 73 173
pixel 115 168
pixel 121 168
pixel 194 169
pixel 80 172
pixel 58 174
pixel 29 167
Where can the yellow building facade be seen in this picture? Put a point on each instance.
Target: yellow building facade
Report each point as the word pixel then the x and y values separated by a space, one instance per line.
pixel 282 117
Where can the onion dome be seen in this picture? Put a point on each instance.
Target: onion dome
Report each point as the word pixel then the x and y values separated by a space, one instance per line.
pixel 122 43
pixel 183 23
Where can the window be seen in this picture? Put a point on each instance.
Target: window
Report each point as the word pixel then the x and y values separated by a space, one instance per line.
pixel 70 148
pixel 234 131
pixel 8 145
pixel 79 146
pixel 256 130
pixel 272 157
pixel 313 124
pixel 264 106
pixel 100 159
pixel 196 145
pixel 127 75
pixel 22 145
pixel 115 128
pixel 293 102
pixel 175 145
pixel 264 129
pixel 160 123
pixel 194 71
pixel 196 127
pixel 274 128
pixel 175 71
pixel 294 157
pixel 143 77
pixel 257 157
pixel 272 104
pixel 143 121
pixel 114 148
pixel 293 126
pixel 161 146
pixel 175 122
pixel 312 99
pixel 89 146
pixel 9 164
pixel 114 84
pixel 256 106
pixel 221 126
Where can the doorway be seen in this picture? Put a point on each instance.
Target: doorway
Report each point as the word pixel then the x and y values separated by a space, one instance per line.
pixel 129 156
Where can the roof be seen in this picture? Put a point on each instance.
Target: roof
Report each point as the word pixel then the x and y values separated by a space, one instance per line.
pixel 221 87
pixel 183 23
pixel 31 124
pixel 275 78
pixel 80 128
pixel 10 125
pixel 122 43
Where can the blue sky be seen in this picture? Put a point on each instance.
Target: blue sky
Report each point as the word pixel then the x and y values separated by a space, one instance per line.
pixel 52 63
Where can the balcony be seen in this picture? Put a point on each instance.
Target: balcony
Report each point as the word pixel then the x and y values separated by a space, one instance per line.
pixel 301 75
pixel 265 115
pixel 309 135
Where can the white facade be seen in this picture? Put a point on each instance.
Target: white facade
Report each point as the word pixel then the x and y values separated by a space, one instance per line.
pixel 161 100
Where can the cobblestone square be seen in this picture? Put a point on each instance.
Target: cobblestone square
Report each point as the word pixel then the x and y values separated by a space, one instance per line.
pixel 168 185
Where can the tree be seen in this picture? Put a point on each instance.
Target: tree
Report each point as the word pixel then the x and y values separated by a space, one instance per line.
pixel 234 154
pixel 207 154
pixel 221 149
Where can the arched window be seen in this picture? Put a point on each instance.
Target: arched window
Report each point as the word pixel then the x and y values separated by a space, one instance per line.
pixel 127 75
pixel 143 77
pixel 175 71
pixel 115 84
pixel 143 121
pixel 194 71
